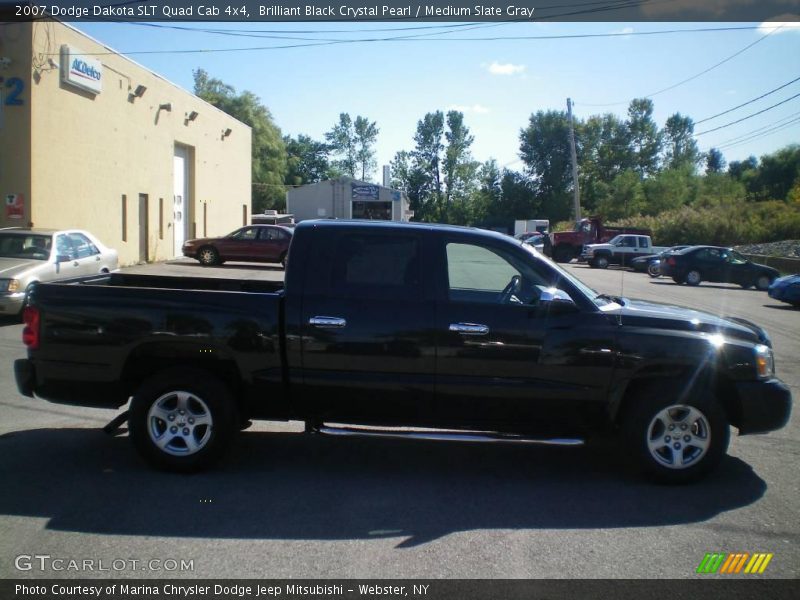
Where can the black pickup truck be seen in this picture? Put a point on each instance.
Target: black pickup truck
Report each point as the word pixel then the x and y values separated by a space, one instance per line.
pixel 386 329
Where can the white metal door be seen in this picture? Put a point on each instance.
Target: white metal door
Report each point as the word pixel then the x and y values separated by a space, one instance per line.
pixel 180 205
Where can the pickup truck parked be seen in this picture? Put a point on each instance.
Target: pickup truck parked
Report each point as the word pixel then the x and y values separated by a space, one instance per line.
pixel 445 332
pixel 567 245
pixel 620 250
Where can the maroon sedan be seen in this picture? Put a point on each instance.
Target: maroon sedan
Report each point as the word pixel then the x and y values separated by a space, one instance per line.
pixel 254 243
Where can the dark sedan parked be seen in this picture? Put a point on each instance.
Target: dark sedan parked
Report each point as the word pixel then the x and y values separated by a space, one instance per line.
pixel 254 243
pixel 716 264
pixel 651 263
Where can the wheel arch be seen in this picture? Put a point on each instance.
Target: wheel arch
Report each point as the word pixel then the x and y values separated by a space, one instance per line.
pixel 676 382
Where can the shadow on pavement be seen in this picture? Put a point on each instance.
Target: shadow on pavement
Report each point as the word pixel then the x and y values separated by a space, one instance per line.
pixel 732 287
pixel 786 307
pixel 291 486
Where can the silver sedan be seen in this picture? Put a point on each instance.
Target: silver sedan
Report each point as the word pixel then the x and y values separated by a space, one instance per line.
pixel 31 255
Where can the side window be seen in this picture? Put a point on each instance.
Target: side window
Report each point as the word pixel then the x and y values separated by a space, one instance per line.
pixel 377 266
pixel 476 273
pixel 64 247
pixel 83 246
pixel 629 242
pixel 643 242
pixel 249 233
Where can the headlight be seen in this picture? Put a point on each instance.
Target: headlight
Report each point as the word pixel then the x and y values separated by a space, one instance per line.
pixel 765 363
pixel 9 285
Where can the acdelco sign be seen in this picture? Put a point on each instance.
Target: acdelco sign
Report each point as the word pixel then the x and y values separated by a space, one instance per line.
pixel 80 70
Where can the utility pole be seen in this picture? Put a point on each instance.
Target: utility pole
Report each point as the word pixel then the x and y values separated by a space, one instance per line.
pixel 574 154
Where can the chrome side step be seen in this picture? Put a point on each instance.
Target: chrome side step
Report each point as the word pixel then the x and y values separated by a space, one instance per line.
pixel 437 435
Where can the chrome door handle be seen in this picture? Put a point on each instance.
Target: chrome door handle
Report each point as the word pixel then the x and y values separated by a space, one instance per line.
pixel 469 328
pixel 327 322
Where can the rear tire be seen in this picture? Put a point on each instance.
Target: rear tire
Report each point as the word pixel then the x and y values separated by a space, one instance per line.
pixel 563 254
pixel 676 440
pixel 654 270
pixel 182 420
pixel 693 277
pixel 208 256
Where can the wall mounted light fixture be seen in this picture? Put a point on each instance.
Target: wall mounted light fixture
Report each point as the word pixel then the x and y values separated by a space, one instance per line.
pixel 167 106
pixel 139 91
pixel 226 132
pixel 191 116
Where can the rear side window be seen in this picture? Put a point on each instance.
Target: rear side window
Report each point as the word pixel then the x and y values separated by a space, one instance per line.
pixel 368 265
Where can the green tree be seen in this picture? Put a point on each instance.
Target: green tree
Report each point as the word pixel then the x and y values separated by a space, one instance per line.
pixel 776 174
pixel 625 198
pixel 670 189
pixel 680 147
pixel 715 162
pixel 645 139
pixel 460 170
pixel 307 160
pixel 409 177
pixel 429 148
pixel 366 135
pixel 544 148
pixel 268 149
pixel 342 141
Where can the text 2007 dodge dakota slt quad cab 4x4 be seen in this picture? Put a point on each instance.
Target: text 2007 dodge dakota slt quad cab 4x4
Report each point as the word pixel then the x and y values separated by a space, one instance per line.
pixel 402 329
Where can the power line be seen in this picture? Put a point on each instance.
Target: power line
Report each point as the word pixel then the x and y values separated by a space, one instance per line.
pixel 725 112
pixel 758 129
pixel 750 116
pixel 791 123
pixel 416 39
pixel 703 72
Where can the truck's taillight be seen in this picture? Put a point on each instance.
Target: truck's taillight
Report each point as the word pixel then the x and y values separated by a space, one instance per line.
pixel 30 334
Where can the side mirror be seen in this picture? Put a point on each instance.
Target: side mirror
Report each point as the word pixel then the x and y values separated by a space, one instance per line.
pixel 556 299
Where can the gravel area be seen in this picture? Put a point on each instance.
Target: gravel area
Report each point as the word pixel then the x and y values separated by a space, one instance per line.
pixel 786 248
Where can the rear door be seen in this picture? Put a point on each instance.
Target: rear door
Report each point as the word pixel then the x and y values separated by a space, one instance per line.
pixel 368 349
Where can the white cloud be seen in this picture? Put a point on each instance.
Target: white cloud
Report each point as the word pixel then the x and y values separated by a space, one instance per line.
pixel 787 24
pixel 478 109
pixel 497 68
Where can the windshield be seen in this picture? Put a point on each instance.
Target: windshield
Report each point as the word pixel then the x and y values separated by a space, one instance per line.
pixel 614 240
pixel 598 299
pixel 27 246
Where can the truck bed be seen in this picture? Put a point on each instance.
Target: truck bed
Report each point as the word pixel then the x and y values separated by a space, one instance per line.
pixel 111 330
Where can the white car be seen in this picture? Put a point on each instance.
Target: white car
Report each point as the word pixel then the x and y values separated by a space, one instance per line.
pixel 31 255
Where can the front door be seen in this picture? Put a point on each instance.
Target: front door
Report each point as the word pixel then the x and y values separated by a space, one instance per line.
pixel 505 361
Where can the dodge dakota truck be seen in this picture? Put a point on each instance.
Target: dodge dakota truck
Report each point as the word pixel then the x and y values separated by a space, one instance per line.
pixel 400 329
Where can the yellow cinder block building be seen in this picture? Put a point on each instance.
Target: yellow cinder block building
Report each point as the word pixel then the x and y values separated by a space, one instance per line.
pixel 90 139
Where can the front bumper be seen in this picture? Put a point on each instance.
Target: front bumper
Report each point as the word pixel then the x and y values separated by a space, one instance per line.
pixel 763 406
pixel 11 304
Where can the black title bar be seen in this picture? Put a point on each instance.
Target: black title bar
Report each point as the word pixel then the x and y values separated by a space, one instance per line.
pixel 403 11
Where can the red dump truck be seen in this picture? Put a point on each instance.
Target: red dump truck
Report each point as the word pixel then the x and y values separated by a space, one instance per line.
pixel 569 244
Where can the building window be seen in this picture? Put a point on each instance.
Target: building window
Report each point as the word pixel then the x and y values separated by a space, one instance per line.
pixel 124 218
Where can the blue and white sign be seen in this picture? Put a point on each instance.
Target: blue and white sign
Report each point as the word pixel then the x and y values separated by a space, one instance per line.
pixel 82 71
pixel 365 191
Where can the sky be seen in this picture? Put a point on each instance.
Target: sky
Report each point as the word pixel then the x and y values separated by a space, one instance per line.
pixel 498 82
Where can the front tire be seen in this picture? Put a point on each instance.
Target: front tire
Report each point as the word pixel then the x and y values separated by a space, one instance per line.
pixel 654 270
pixel 763 282
pixel 182 420
pixel 675 440
pixel 208 256
pixel 600 262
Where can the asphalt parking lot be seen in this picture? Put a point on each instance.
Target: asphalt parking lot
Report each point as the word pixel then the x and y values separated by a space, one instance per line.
pixel 286 505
